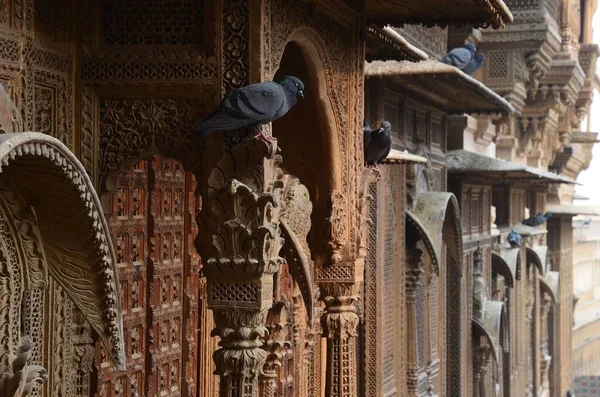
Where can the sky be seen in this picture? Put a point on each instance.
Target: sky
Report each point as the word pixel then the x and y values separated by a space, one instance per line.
pixel 590 178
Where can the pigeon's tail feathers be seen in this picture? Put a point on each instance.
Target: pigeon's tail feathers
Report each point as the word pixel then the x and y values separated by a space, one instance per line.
pixel 200 133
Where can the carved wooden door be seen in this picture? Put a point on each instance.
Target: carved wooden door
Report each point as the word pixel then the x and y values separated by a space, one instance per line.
pixel 152 224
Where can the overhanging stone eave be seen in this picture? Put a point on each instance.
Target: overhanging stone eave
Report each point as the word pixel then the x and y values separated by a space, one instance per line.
pixel 391 45
pixel 476 13
pixel 445 85
pixel 462 162
pixel 584 137
pixel 403 157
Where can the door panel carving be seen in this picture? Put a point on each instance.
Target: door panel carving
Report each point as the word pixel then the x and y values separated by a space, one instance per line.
pixel 153 228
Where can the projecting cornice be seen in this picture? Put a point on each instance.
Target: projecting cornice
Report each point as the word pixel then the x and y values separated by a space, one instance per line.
pixel 476 13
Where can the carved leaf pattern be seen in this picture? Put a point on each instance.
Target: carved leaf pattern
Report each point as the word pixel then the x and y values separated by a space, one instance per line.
pixel 130 127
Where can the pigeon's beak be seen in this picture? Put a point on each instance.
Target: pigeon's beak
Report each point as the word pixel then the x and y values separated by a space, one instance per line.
pixel 301 94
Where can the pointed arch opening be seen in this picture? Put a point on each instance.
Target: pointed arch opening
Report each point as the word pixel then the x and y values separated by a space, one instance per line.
pixel 308 135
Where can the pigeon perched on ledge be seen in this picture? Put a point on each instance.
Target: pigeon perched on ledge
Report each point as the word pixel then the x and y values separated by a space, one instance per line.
pixel 253 106
pixel 380 144
pixel 461 56
pixel 538 219
pixel 474 64
pixel 514 239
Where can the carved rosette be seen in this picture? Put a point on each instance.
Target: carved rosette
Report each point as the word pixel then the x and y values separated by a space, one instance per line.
pixel 240 246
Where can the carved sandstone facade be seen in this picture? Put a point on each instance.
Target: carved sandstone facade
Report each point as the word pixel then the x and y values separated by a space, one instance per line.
pixel 247 268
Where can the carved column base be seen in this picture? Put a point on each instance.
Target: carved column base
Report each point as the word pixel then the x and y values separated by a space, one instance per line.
pixel 240 360
pixel 481 359
pixel 339 322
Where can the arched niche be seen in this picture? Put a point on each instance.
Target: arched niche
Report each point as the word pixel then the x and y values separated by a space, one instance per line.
pixel 308 135
pixel 52 226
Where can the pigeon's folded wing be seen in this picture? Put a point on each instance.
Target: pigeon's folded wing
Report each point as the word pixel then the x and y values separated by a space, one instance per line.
pixel 386 152
pixel 251 105
pixel 367 135
pixel 459 57
pixel 258 102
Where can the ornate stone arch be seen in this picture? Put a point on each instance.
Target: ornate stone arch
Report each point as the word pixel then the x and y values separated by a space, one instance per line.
pixel 505 261
pixel 436 218
pixel 538 256
pixel 324 178
pixel 56 227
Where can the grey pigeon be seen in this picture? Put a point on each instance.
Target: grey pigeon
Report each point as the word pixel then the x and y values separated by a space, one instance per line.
pixel 380 144
pixel 538 219
pixel 514 239
pixel 587 221
pixel 253 106
pixel 474 64
pixel 461 56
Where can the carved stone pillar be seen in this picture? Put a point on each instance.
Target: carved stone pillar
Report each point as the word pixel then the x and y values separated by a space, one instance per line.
pixel 339 323
pixel 83 347
pixel 416 375
pixel 240 246
pixel 275 346
pixel 546 358
pixel 479 285
pixel 339 282
pixel 481 359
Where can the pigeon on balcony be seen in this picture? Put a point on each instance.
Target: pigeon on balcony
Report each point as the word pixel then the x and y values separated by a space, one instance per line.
pixel 538 219
pixel 514 239
pixel 380 144
pixel 253 106
pixel 474 64
pixel 461 56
